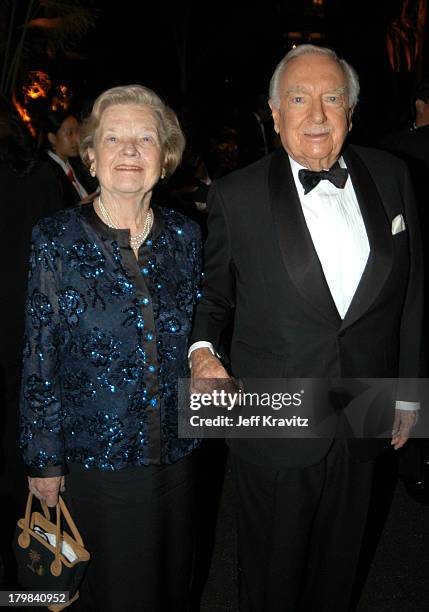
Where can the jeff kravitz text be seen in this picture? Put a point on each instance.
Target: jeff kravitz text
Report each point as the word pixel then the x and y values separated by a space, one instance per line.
pixel 219 401
pixel 255 420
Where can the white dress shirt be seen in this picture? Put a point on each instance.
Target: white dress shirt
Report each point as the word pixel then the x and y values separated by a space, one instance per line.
pixel 66 166
pixel 337 230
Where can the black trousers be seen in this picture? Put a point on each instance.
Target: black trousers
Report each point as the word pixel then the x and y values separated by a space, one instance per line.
pixel 138 524
pixel 300 533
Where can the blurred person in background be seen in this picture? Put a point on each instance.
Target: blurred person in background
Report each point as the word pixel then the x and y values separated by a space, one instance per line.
pixel 60 136
pixel 29 191
pixel 255 133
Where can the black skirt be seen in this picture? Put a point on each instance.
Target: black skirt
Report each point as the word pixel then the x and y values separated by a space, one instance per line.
pixel 138 524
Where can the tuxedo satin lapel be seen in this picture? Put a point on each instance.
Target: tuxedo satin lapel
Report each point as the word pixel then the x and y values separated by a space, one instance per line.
pixel 378 229
pixel 299 254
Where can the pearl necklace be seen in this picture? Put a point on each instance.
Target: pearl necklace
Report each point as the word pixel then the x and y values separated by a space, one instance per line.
pixel 135 241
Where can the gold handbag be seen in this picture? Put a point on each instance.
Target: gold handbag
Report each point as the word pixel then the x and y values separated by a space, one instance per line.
pixel 49 558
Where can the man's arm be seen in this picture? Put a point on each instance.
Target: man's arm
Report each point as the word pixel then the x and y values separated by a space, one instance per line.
pixel 411 331
pixel 218 293
pixel 411 345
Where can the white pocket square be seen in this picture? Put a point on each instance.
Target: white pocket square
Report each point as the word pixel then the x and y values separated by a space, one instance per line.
pixel 398 225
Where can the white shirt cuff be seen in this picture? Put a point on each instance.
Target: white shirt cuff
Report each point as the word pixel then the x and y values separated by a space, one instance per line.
pixel 201 344
pixel 400 405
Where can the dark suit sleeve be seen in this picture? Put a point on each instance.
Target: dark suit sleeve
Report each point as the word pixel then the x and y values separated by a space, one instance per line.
pixel 54 199
pixel 412 317
pixel 218 290
pixel 411 357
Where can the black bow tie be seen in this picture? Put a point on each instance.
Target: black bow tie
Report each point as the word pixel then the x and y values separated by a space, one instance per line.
pixel 309 179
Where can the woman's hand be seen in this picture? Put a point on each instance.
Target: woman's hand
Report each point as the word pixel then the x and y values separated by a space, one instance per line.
pixel 47 489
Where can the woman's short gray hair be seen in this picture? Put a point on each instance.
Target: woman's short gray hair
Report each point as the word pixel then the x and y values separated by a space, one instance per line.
pixel 172 139
pixel 350 73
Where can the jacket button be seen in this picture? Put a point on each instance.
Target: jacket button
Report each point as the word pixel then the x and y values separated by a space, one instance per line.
pixel 341 333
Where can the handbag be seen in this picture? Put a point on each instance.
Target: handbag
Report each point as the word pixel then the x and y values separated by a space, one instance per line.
pixel 49 558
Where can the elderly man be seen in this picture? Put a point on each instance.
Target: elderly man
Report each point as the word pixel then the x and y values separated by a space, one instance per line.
pixel 323 271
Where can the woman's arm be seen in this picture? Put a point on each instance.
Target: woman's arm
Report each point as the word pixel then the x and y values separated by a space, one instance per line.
pixel 41 437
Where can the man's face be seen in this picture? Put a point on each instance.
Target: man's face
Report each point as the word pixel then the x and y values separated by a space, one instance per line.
pixel 422 113
pixel 65 142
pixel 314 116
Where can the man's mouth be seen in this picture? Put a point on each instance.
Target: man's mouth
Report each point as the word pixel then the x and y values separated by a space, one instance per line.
pixel 316 132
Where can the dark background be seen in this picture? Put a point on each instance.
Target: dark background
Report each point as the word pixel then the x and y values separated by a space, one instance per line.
pixel 209 58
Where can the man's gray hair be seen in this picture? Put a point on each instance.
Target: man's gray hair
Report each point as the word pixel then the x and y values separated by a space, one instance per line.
pixel 350 73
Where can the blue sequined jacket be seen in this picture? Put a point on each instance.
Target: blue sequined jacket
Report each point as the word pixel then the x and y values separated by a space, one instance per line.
pixel 106 340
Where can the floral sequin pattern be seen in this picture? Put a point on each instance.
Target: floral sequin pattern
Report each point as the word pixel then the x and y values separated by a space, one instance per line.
pixel 139 402
pixel 120 286
pixel 41 398
pixel 133 317
pixel 87 258
pixel 46 254
pixel 78 388
pixel 44 459
pixel 129 370
pixel 71 304
pixel 106 427
pixel 54 227
pixel 100 348
pixel 61 339
pixel 171 325
pixel 40 309
pixel 185 296
pixel 39 393
pixel 49 251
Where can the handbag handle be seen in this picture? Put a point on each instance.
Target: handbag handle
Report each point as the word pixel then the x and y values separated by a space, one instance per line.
pixel 70 522
pixel 24 538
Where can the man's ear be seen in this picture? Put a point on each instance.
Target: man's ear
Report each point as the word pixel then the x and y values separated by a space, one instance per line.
pixel 349 118
pixel 52 140
pixel 422 114
pixel 275 115
pixel 419 106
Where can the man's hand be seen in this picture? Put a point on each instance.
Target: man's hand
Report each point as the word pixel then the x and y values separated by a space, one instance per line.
pixel 206 365
pixel 47 489
pixel 402 426
pixel 206 369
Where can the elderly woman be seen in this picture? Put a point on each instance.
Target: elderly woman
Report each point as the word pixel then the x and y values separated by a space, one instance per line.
pixel 110 301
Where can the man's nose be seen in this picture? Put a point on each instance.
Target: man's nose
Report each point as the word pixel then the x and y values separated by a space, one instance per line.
pixel 317 111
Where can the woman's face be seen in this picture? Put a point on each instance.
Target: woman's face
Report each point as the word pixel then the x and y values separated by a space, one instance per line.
pixel 127 151
pixel 65 142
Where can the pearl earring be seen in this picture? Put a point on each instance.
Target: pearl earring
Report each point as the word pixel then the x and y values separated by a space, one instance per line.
pixel 92 169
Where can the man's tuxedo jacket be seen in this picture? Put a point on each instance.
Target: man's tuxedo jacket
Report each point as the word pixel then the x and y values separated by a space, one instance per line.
pixel 262 269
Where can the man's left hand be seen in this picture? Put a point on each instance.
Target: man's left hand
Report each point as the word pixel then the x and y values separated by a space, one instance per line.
pixel 402 426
